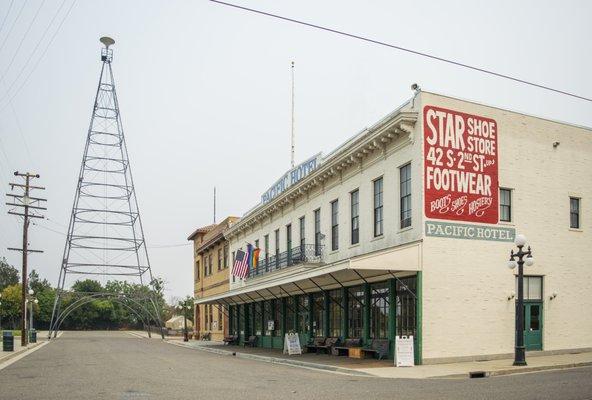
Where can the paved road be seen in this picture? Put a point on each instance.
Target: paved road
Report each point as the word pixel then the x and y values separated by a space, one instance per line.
pixel 113 365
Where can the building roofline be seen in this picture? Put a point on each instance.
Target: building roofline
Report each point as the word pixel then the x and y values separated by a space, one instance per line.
pixel 555 121
pixel 203 229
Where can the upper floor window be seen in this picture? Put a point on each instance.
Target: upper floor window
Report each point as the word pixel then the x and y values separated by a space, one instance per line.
pixel 317 229
pixel 302 233
pixel 225 256
pixel 196 271
pixel 574 212
pixel 233 258
pixel 277 247
pixel 210 262
pixel 405 179
pixel 220 260
pixel 289 242
pixel 505 205
pixel 378 213
pixel 335 225
pixel 355 216
pixel 205 266
pixel 266 249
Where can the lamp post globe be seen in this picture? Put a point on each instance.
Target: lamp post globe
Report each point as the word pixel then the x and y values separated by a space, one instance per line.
pixel 31 292
pixel 520 241
pixel 529 261
pixel 512 264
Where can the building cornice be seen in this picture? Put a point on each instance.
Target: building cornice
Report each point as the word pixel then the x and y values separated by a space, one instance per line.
pixel 399 124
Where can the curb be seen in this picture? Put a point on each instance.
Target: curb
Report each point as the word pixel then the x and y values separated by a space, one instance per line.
pixel 348 371
pixel 275 360
pixel 514 371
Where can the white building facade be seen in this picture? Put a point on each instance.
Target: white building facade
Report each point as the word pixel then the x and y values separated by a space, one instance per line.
pixel 406 230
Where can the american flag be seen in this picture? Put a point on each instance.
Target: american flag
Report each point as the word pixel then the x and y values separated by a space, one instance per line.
pixel 241 264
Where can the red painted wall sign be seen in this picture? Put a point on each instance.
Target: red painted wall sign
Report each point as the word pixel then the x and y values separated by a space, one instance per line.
pixel 460 166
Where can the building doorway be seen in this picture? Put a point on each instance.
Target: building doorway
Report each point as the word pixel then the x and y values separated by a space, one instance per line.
pixel 533 324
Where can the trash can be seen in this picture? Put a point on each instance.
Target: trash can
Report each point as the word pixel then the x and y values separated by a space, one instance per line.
pixel 32 336
pixel 7 341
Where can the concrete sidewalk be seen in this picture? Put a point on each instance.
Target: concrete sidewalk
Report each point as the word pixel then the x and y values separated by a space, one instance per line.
pixel 18 349
pixel 385 368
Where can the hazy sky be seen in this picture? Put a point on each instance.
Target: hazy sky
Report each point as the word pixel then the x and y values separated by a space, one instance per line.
pixel 204 92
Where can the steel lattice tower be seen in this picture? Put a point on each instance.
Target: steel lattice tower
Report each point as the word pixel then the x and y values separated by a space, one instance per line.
pixel 105 235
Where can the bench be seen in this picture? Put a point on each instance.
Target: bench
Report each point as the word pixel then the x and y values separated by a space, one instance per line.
pixel 251 341
pixel 344 349
pixel 378 347
pixel 232 339
pixel 328 345
pixel 315 344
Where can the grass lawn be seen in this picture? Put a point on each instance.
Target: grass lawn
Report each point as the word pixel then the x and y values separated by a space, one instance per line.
pixel 14 332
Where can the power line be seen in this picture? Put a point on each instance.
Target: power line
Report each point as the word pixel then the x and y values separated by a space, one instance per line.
pixel 18 15
pixel 392 46
pixel 6 16
pixel 23 38
pixel 43 36
pixel 42 55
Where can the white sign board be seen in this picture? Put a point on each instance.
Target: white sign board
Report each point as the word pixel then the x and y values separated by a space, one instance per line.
pixel 292 344
pixel 404 351
pixel 270 325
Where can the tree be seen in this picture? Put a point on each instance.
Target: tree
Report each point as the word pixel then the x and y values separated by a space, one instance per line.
pixel 11 305
pixel 9 275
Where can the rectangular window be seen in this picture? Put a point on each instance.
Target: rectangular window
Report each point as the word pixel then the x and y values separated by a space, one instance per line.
pixel 277 248
pixel 277 318
pixel 233 258
pixel 532 287
pixel 220 319
pixel 355 216
pixel 258 263
pixel 196 271
pixel 258 318
pixel 574 213
pixel 225 256
pixel 220 260
pixel 405 289
pixel 379 311
pixel 289 242
pixel 317 228
pixel 302 234
pixel 405 178
pixel 355 306
pixel 505 205
pixel 205 266
pixel 318 310
pixel 290 310
pixel 378 214
pixel 303 314
pixel 335 313
pixel 210 262
pixel 335 225
pixel 266 249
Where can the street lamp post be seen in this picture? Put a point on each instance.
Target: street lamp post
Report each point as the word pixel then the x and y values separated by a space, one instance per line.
pixel 519 259
pixel 31 300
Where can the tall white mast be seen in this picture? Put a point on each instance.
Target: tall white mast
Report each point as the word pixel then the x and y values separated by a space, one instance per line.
pixel 293 133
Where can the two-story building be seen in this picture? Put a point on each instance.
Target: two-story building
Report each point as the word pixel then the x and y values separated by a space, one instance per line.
pixel 406 230
pixel 210 278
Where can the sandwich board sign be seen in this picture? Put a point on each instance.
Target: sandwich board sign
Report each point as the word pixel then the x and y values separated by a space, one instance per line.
pixel 292 344
pixel 404 351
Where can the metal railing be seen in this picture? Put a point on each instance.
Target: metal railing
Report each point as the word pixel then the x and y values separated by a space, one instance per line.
pixel 304 254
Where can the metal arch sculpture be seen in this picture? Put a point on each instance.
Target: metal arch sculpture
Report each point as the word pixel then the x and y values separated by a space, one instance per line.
pixel 116 297
pixel 105 234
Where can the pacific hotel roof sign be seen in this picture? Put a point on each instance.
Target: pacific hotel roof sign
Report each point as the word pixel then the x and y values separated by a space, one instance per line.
pixel 353 152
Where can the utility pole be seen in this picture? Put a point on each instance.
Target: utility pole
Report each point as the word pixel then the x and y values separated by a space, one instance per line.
pixel 30 205
pixel 292 145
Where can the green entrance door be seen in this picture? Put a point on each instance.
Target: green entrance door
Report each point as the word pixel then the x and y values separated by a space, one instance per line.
pixel 533 325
